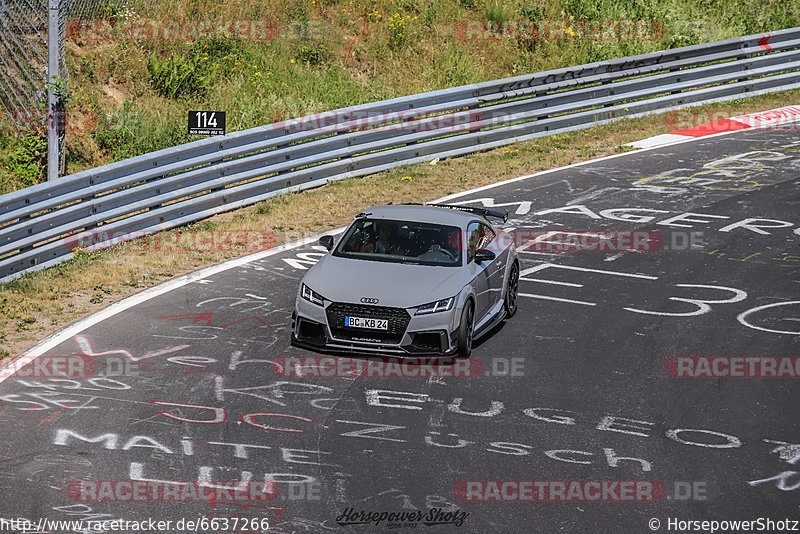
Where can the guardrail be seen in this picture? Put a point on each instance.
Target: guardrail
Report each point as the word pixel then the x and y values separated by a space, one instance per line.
pixel 40 225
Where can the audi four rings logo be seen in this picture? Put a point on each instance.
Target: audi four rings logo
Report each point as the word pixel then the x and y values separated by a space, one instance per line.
pixel 367 300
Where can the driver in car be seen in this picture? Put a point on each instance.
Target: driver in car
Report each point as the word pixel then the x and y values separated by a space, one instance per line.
pixel 443 246
pixel 384 244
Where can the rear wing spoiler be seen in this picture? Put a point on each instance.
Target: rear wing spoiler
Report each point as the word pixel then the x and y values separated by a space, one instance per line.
pixel 478 211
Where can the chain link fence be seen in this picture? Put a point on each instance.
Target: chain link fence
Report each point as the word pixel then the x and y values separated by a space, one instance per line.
pixel 24 74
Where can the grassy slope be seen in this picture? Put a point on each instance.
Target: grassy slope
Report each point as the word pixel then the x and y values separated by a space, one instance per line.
pixel 351 51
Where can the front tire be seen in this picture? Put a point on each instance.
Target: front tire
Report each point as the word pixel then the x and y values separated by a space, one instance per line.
pixel 465 329
pixel 512 291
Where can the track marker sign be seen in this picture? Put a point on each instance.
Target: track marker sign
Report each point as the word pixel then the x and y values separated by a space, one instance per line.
pixel 206 123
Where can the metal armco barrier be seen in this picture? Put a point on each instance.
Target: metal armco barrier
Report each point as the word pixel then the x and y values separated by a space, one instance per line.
pixel 40 225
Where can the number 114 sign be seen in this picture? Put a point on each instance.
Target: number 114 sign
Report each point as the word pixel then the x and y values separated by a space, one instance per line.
pixel 206 123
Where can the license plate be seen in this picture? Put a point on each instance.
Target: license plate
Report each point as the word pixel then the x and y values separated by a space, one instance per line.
pixel 363 322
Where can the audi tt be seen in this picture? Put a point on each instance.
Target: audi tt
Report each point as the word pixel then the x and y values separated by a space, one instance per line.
pixel 409 280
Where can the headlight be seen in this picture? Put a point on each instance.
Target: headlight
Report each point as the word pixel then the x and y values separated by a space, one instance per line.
pixel 311 295
pixel 435 307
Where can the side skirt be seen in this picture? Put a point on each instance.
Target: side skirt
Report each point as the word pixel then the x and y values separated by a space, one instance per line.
pixel 495 315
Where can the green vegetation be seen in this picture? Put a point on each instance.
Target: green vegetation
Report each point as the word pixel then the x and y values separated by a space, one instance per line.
pixel 23 160
pixel 319 55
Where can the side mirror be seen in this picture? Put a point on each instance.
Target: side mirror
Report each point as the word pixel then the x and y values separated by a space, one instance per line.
pixel 482 255
pixel 326 241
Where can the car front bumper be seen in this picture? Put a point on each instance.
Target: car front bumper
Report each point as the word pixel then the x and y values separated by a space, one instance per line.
pixel 322 329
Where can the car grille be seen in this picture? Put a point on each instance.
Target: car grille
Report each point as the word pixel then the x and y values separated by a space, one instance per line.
pixel 397 319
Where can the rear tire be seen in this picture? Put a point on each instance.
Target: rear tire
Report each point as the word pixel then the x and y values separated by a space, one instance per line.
pixel 465 329
pixel 512 291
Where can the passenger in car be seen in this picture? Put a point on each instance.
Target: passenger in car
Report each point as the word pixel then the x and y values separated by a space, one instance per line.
pixel 386 242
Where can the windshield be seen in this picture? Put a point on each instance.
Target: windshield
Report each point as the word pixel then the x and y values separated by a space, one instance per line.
pixel 402 242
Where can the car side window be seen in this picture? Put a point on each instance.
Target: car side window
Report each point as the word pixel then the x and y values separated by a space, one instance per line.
pixel 473 239
pixel 486 236
pixel 479 236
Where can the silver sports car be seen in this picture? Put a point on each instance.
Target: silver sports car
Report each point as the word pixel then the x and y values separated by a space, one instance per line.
pixel 411 279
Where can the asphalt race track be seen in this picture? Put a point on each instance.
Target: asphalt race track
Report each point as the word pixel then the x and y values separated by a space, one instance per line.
pixel 578 386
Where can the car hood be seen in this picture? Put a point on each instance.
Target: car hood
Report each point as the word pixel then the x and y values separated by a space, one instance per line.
pixel 393 284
